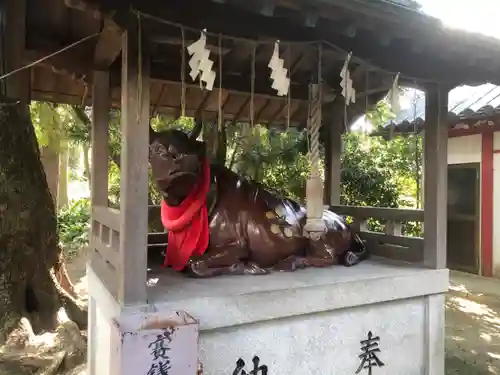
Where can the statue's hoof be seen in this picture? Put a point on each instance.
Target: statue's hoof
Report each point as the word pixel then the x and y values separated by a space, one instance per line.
pixel 290 264
pixel 254 269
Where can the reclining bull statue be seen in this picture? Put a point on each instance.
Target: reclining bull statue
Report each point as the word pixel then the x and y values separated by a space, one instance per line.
pixel 219 223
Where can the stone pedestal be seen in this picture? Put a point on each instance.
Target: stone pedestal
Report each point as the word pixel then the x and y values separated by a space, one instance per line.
pixel 307 322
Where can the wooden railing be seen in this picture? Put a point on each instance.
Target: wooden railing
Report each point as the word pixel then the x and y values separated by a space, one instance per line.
pixel 104 252
pixel 392 243
pixel 104 247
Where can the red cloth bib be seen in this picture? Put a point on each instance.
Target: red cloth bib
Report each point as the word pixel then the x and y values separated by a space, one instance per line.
pixel 187 224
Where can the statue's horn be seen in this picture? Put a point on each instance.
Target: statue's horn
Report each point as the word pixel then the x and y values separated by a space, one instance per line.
pixel 198 126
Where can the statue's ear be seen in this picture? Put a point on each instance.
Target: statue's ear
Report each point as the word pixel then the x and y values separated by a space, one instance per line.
pixel 197 129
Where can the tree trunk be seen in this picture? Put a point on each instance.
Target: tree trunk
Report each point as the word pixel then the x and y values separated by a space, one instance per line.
pixel 62 190
pixel 86 164
pixel 50 162
pixel 30 259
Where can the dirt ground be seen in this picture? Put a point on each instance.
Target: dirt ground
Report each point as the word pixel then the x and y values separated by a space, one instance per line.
pixel 473 325
pixel 472 321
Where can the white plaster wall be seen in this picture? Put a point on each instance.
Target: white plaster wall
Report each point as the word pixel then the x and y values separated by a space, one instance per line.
pixel 496 205
pixel 465 149
pixel 323 344
pixel 103 344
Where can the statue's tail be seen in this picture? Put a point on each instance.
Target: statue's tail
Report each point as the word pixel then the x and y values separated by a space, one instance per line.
pixel 357 252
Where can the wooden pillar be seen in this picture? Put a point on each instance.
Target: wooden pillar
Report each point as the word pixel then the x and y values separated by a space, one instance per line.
pixel 333 154
pixel 487 182
pixel 435 220
pixel 436 177
pixel 101 106
pixel 134 168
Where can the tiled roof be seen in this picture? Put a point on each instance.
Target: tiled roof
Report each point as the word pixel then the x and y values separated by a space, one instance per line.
pixel 465 104
pixel 410 4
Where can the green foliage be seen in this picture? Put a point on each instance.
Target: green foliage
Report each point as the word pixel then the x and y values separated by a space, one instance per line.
pixel 54 122
pixel 279 160
pixel 380 173
pixel 380 114
pixel 73 224
pixel 366 180
pixel 275 158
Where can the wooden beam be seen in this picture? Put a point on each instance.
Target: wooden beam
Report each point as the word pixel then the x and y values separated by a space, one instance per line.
pixel 296 63
pixel 134 169
pixel 261 111
pixel 211 44
pixel 436 177
pixel 76 62
pixel 65 63
pixel 80 69
pixel 226 101
pixel 109 44
pixel 240 111
pixel 278 112
pixel 203 104
pixel 230 82
pixel 378 90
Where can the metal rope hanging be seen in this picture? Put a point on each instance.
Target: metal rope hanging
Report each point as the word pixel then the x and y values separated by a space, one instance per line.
pixel 315 226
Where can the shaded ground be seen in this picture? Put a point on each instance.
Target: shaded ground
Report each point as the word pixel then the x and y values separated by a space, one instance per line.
pixel 473 325
pixel 472 321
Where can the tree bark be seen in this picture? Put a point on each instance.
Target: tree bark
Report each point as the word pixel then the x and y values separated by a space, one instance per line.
pixel 62 190
pixel 86 164
pixel 30 259
pixel 50 162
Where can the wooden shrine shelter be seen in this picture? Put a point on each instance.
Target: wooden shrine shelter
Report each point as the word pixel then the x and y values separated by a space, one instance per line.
pixel 130 54
pixel 473 175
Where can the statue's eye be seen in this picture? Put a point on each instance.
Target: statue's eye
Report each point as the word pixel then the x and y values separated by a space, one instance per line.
pixel 162 151
pixel 172 151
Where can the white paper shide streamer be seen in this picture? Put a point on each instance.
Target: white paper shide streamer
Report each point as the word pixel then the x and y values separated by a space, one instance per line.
pixel 348 92
pixel 281 83
pixel 200 63
pixel 393 95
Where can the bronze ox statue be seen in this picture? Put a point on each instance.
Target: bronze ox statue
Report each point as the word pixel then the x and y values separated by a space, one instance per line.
pixel 219 223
